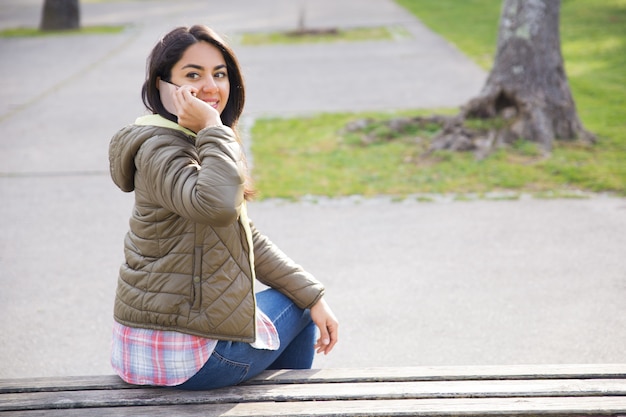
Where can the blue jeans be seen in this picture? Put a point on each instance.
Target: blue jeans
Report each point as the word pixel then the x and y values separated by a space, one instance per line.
pixel 234 362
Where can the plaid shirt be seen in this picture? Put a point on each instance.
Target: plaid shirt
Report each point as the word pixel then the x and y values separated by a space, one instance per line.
pixel 166 358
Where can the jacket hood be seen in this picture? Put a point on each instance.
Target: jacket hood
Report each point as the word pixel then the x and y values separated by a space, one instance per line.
pixel 126 143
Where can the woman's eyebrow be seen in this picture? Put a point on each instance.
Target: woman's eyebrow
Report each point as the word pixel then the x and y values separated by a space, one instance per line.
pixel 201 68
pixel 194 66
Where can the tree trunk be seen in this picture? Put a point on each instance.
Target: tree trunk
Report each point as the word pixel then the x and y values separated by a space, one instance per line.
pixel 527 85
pixel 60 15
pixel 526 95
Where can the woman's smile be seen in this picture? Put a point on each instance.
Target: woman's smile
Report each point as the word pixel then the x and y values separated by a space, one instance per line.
pixel 203 67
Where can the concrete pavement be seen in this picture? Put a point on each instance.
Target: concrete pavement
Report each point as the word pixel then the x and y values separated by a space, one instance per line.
pixel 447 282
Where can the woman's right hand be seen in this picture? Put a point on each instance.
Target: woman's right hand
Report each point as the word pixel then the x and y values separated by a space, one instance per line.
pixel 328 326
pixel 193 113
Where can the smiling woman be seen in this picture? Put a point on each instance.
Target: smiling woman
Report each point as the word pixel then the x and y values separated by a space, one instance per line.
pixel 186 310
pixel 200 74
pixel 194 60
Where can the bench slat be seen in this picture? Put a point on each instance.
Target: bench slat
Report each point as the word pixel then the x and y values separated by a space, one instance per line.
pixel 425 373
pixel 315 392
pixel 469 407
pixel 66 383
pixel 520 390
pixel 442 373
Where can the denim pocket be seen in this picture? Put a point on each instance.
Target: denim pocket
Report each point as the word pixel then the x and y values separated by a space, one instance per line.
pixel 217 372
pixel 228 371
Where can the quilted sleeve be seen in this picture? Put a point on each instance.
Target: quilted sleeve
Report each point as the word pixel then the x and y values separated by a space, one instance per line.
pixel 202 182
pixel 275 269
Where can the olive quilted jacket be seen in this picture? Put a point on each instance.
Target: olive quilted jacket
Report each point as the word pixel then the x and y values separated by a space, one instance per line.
pixel 188 264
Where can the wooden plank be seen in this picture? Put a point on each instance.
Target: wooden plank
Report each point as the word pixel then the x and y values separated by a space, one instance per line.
pixel 67 383
pixel 423 373
pixel 469 407
pixel 442 373
pixel 315 392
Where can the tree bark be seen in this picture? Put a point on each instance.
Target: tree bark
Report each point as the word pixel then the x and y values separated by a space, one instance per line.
pixel 60 15
pixel 527 85
pixel 526 92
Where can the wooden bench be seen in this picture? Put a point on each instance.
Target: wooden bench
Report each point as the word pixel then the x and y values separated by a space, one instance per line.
pixel 556 390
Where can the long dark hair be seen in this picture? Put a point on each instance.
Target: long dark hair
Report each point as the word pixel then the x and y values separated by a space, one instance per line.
pixel 169 50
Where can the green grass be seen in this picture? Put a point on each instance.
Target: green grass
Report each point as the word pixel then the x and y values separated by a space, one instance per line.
pixel 472 25
pixel 295 157
pixel 25 32
pixel 322 162
pixel 341 35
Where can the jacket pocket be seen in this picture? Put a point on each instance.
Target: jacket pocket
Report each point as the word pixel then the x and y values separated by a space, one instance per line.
pixel 196 277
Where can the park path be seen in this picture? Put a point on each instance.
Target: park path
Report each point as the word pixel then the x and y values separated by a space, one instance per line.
pixel 483 282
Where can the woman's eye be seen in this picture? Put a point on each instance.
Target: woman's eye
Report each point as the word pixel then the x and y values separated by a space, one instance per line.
pixel 193 75
pixel 220 74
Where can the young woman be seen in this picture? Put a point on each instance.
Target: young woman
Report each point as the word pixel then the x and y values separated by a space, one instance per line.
pixel 186 313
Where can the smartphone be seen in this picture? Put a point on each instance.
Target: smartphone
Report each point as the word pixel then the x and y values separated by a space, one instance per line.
pixel 166 91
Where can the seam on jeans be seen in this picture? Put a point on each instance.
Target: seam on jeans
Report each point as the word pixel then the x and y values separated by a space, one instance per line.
pixel 245 367
pixel 283 312
pixel 232 362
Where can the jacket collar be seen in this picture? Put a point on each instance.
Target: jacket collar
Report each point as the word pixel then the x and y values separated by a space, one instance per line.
pixel 160 121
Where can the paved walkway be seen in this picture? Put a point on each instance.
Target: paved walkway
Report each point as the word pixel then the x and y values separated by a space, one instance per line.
pixel 413 283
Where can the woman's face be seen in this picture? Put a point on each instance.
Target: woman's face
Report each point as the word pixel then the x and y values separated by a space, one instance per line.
pixel 203 67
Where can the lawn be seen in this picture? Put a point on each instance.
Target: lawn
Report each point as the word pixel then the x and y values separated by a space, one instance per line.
pixel 325 159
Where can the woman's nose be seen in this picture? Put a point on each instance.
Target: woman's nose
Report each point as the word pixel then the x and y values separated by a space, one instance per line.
pixel 210 86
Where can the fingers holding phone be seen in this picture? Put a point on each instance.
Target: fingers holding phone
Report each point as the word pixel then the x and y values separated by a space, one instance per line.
pixel 192 113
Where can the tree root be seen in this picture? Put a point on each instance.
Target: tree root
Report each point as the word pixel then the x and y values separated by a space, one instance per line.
pixel 453 133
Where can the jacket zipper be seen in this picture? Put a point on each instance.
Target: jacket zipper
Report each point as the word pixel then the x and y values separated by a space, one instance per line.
pixel 196 275
pixel 197 279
